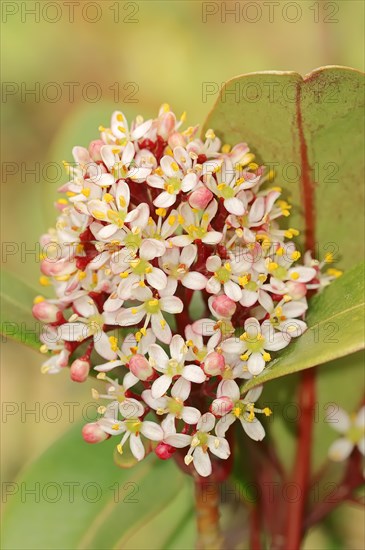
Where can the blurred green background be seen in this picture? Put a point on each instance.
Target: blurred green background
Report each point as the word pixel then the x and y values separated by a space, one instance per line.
pixel 65 68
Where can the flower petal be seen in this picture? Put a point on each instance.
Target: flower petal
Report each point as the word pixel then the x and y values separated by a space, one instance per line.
pixel 202 462
pixel 159 357
pixel 131 408
pixel 151 430
pixel 255 363
pixel 193 373
pixel 340 421
pixel 157 278
pixel 340 449
pixel 137 447
pixel 219 447
pixel 177 347
pixel 206 422
pixel 178 440
pixel 171 304
pixel 234 206
pixel 228 388
pixel 194 280
pixel 224 423
pixel 181 389
pixel 160 386
pixel 253 429
pixel 190 415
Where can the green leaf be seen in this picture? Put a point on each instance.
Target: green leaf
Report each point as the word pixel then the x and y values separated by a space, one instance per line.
pixel 82 500
pixel 17 322
pixel 336 329
pixel 310 130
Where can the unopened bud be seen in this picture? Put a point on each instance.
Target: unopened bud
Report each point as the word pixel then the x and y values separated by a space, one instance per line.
pixel 224 306
pixel 46 312
pixel 94 149
pixel 166 125
pixel 53 268
pixel 176 139
pixel 92 433
pixel 200 198
pixel 164 451
pixel 214 364
pixel 79 370
pixel 140 367
pixel 296 290
pixel 221 406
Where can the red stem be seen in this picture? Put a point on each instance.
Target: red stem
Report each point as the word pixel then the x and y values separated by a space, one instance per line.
pixel 307 390
pixel 352 479
pixel 295 510
pixel 255 542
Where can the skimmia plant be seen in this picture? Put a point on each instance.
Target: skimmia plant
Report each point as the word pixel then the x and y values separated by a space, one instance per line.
pixel 151 216
pixel 184 272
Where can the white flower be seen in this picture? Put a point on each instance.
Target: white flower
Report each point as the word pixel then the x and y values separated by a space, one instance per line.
pixel 283 314
pixel 132 428
pixel 113 209
pixel 197 226
pixel 124 167
pixel 132 344
pixel 215 330
pixel 56 362
pixel 173 366
pixel 200 443
pixel 174 406
pixel 174 175
pixel 120 128
pixel 254 342
pixel 352 429
pixel 116 394
pixel 151 308
pixel 227 274
pixel 157 236
pixel 281 270
pixel 134 271
pixel 90 324
pixel 231 407
pixel 226 184
pixel 177 265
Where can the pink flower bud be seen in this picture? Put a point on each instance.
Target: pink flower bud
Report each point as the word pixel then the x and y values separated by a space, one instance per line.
pixel 296 290
pixel 94 149
pixel 200 198
pixel 166 124
pixel 214 364
pixel 224 306
pixel 92 433
pixel 221 406
pixel 52 267
pixel 176 139
pixel 164 451
pixel 140 367
pixel 79 370
pixel 46 312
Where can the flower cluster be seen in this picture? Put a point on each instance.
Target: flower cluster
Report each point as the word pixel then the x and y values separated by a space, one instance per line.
pixel 155 222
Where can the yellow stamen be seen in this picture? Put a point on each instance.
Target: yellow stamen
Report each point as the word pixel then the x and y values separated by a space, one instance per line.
pixel 108 197
pixel 113 343
pixel 160 212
